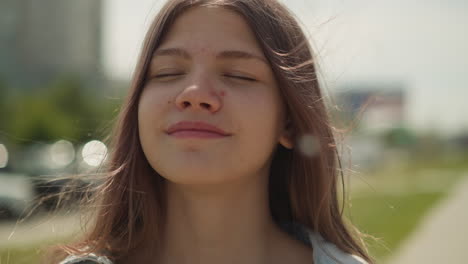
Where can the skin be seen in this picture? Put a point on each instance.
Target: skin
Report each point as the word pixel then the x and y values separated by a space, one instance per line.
pixel 217 188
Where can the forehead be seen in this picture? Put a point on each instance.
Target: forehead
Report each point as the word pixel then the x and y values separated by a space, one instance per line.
pixel 211 29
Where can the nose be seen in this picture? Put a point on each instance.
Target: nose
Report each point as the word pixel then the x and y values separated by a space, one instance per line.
pixel 199 95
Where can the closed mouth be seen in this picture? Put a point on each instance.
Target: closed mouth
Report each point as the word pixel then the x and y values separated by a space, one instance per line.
pixel 195 128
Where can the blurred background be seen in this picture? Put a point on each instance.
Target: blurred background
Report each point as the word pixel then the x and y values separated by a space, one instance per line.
pixel 395 73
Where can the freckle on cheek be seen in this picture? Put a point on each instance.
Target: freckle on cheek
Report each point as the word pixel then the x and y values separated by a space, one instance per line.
pixel 169 102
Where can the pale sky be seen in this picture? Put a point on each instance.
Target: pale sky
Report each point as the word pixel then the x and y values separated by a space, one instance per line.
pixel 422 44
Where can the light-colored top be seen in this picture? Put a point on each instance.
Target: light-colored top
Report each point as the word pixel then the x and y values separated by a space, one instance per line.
pixel 328 253
pixel 86 259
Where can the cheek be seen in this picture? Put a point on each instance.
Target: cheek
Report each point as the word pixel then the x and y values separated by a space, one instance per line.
pixel 151 107
pixel 144 108
pixel 262 113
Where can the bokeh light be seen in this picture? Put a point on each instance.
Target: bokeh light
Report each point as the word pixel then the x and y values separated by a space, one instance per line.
pixel 3 156
pixel 308 145
pixel 62 153
pixel 94 153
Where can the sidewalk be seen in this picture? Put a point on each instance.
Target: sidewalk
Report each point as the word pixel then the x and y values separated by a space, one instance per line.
pixel 443 236
pixel 39 230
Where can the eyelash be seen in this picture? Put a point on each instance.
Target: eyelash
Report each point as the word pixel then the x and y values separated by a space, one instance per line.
pixel 225 75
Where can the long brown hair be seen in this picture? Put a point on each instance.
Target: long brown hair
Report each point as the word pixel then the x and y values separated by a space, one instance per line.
pixel 130 209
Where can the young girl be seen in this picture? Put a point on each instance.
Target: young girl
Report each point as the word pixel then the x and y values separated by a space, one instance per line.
pixel 223 152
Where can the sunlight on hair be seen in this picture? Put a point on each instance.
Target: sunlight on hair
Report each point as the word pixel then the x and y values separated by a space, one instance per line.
pixel 3 156
pixel 308 145
pixel 94 153
pixel 62 153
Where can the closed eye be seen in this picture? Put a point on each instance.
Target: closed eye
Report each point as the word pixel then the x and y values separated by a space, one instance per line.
pixel 240 77
pixel 167 75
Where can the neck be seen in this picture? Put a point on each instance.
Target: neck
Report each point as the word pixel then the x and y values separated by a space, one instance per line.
pixel 219 224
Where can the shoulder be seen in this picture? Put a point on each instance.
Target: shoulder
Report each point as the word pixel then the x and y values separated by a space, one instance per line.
pixel 328 253
pixel 324 252
pixel 86 259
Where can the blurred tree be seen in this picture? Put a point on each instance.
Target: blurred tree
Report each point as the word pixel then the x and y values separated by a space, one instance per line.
pixel 3 95
pixel 4 108
pixel 35 119
pixel 65 109
pixel 399 137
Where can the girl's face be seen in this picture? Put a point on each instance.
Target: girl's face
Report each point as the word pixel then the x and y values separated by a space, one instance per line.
pixel 210 69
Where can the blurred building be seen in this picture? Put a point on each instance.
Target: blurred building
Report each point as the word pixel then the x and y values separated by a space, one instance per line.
pixel 375 107
pixel 42 40
pixel 374 111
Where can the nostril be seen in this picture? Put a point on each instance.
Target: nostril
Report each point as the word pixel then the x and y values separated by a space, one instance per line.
pixel 205 105
pixel 186 104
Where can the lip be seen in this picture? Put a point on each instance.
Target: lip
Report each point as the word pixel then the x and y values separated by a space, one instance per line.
pixel 197 129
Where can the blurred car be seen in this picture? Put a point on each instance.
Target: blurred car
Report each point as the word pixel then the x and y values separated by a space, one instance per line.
pixel 16 194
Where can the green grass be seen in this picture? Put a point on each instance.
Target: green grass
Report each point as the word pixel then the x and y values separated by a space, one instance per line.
pixel 26 255
pixel 390 218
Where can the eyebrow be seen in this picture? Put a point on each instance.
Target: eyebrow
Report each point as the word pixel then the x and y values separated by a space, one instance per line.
pixel 226 54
